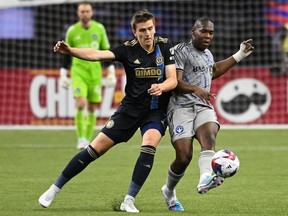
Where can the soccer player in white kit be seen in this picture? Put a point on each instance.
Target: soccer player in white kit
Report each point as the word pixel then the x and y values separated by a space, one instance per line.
pixel 190 114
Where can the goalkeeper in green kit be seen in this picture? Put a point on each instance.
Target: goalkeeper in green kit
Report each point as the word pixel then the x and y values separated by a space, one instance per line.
pixel 86 76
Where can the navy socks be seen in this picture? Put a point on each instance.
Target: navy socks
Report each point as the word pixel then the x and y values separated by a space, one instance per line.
pixel 142 169
pixel 78 163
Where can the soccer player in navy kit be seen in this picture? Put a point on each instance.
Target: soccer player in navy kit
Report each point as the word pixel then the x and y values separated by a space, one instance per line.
pixel 151 75
pixel 190 113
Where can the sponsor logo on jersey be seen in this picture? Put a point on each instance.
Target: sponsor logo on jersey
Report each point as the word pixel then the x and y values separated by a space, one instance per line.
pixel 154 72
pixel 137 61
pixel 203 69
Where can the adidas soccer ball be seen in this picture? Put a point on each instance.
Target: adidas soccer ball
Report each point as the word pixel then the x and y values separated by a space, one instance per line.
pixel 225 163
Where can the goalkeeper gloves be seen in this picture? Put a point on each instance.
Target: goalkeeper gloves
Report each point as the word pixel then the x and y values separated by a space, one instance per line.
pixel 245 50
pixel 64 80
pixel 111 78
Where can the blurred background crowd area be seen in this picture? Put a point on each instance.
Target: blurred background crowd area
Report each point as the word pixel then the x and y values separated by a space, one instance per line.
pixel 28 33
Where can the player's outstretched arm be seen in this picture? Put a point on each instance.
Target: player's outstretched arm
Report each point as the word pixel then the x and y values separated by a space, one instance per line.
pixel 221 67
pixel 88 54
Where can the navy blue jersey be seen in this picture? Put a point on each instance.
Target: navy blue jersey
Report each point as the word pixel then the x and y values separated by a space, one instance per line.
pixel 142 70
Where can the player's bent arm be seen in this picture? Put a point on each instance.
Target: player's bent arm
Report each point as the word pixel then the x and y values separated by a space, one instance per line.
pixel 171 78
pixel 183 87
pixel 186 88
pixel 168 84
pixel 88 54
pixel 223 66
pixel 91 54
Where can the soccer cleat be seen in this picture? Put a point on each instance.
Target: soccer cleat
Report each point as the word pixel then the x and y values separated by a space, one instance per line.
pixel 128 205
pixel 48 196
pixel 209 183
pixel 172 203
pixel 82 144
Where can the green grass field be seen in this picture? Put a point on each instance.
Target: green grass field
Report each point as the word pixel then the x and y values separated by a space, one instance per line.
pixel 31 161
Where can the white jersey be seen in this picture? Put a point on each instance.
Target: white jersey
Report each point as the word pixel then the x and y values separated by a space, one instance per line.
pixel 197 67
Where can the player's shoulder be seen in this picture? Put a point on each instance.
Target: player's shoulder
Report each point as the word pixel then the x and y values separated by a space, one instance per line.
pixel 74 27
pixel 181 46
pixel 207 51
pixel 98 24
pixel 161 40
pixel 130 43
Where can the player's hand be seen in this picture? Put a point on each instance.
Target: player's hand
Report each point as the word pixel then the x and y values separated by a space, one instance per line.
pixel 204 95
pixel 111 80
pixel 64 80
pixel 245 50
pixel 62 47
pixel 155 90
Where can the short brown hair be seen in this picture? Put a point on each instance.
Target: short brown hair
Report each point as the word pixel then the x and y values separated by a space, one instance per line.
pixel 85 3
pixel 141 16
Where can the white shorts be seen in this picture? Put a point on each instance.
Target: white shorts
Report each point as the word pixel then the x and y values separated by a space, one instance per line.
pixel 184 122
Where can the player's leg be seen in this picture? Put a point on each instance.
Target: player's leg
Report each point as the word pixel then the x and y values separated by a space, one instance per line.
pixel 115 131
pixel 80 122
pixel 183 150
pixel 181 132
pixel 206 126
pixel 94 98
pixel 152 131
pixel 91 120
pixel 80 90
pixel 142 168
pixel 77 164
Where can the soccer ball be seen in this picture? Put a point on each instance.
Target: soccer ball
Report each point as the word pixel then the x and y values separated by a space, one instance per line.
pixel 225 163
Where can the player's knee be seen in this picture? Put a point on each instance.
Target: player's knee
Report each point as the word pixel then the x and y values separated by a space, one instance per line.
pixel 212 140
pixel 80 103
pixel 80 106
pixel 207 141
pixel 184 159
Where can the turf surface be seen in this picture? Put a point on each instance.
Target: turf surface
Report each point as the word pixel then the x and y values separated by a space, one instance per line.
pixel 32 159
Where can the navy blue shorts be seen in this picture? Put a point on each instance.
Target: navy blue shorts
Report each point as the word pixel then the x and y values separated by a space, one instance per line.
pixel 121 126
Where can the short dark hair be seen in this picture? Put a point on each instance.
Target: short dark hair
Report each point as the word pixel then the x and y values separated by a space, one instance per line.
pixel 202 19
pixel 85 3
pixel 141 16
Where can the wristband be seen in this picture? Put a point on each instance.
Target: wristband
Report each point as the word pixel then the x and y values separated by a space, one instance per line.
pixel 238 56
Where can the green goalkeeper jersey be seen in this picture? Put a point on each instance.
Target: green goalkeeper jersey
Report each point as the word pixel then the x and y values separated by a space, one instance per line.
pixel 93 37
